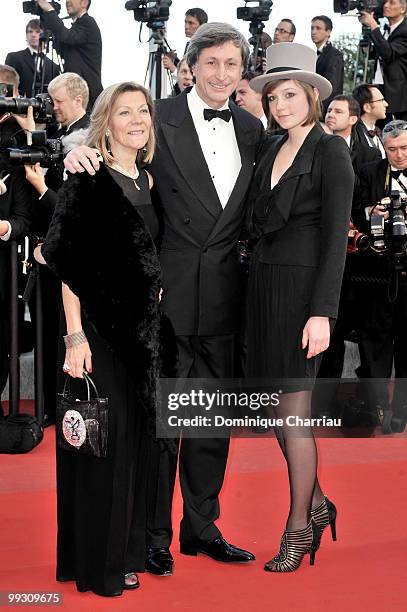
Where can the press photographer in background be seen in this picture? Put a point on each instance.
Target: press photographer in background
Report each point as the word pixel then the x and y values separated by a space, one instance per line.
pixel 194 18
pixel 70 94
pixel 391 54
pixel 80 46
pixel 15 209
pixel 184 77
pixel 383 295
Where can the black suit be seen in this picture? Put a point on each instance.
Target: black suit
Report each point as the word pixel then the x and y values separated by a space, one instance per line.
pixel 360 135
pixel 81 48
pixel 25 62
pixel 201 297
pixel 392 54
pixel 330 65
pixel 384 332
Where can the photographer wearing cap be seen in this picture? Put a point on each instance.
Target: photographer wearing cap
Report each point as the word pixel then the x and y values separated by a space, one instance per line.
pixel 383 336
pixel 15 217
pixel 81 45
pixel 391 52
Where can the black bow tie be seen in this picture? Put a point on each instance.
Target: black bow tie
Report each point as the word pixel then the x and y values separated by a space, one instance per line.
pixel 210 114
pixel 319 51
pixel 386 28
pixel 373 133
pixel 396 173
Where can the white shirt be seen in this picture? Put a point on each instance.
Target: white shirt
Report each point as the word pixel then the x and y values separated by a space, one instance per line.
pixel 376 140
pixel 219 146
pixel 264 121
pixel 378 77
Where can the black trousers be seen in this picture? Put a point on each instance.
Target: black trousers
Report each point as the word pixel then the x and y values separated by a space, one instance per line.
pixel 202 462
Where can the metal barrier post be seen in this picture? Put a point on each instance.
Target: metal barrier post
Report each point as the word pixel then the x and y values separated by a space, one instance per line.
pixel 14 367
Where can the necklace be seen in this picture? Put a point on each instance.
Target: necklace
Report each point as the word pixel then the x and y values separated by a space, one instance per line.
pixel 133 177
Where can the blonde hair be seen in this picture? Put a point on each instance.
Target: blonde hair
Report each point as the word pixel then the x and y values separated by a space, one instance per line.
pixel 314 102
pixel 100 116
pixel 75 86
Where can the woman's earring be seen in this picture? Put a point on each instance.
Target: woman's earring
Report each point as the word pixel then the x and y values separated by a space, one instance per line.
pixel 107 133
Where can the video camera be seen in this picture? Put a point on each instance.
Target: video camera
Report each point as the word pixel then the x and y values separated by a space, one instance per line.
pixel 390 236
pixel 154 16
pixel 255 13
pixel 41 104
pixel 32 8
pixel 370 6
pixel 40 149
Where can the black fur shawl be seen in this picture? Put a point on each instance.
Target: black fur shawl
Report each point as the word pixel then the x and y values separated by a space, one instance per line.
pixel 99 246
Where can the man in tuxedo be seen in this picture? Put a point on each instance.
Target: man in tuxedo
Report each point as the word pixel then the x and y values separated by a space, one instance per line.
pixel 330 62
pixel 194 18
pixel 383 337
pixel 70 94
pixel 373 107
pixel 391 53
pixel 32 61
pixel 80 46
pixel 202 169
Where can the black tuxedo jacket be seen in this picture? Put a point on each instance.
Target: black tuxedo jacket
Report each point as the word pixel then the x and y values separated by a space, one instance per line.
pixel 392 54
pixel 372 188
pixel 304 220
pixel 360 134
pixel 24 62
pixel 198 246
pixel 361 154
pixel 81 48
pixel 330 65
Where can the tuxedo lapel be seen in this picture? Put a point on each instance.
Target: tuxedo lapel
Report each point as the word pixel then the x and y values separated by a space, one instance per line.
pixel 183 143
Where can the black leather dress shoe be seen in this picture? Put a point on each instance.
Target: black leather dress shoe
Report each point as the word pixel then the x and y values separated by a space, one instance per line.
pixel 219 549
pixel 159 561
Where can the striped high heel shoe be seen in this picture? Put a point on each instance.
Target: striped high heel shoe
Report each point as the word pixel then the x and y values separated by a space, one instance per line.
pixel 325 514
pixel 294 545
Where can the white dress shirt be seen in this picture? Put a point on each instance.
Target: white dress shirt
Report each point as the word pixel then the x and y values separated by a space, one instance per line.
pixel 378 77
pixel 374 142
pixel 219 146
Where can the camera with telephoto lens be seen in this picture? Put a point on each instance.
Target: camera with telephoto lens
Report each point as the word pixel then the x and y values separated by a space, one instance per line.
pixel 41 104
pixel 357 241
pixel 390 236
pixel 370 6
pixel 32 8
pixel 154 14
pixel 42 150
pixel 255 13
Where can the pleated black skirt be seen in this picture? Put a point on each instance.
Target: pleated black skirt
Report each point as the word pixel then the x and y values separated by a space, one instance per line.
pixel 102 501
pixel 278 307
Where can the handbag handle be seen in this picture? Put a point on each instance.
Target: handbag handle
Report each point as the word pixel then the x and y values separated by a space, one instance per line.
pixel 88 380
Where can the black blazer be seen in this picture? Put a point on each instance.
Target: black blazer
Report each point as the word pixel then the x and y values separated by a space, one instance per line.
pixel 360 134
pixel 24 62
pixel 81 48
pixel 372 182
pixel 330 65
pixel 198 247
pixel 392 54
pixel 304 220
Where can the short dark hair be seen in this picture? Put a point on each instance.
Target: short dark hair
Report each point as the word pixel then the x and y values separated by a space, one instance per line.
pixel 199 14
pixel 34 24
pixel 293 28
pixel 248 75
pixel 89 3
pixel 9 74
pixel 363 94
pixel 327 21
pixel 354 107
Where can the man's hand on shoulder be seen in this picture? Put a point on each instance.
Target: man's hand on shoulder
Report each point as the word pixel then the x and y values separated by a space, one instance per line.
pixel 82 159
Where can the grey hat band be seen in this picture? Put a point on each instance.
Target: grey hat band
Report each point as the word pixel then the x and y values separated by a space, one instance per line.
pixel 281 69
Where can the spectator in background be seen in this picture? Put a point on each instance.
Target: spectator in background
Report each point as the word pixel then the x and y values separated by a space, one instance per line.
pixel 184 77
pixel 194 18
pixel 285 31
pixel 373 107
pixel 32 61
pixel 330 62
pixel 391 53
pixel 81 45
pixel 249 99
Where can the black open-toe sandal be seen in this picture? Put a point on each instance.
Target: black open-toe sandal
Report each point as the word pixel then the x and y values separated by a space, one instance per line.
pixel 131 585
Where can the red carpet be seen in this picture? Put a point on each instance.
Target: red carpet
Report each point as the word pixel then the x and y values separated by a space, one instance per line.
pixel 363 571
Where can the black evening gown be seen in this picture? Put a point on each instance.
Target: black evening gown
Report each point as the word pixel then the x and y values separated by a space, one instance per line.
pixel 102 501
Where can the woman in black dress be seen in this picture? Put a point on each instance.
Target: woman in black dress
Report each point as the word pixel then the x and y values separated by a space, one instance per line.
pixel 100 244
pixel 299 212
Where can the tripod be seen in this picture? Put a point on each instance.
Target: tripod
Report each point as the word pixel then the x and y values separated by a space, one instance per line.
pixel 46 45
pixel 256 40
pixel 155 66
pixel 362 57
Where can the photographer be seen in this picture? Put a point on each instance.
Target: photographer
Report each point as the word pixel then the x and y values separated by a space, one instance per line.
pixel 70 94
pixel 32 65
pixel 80 46
pixel 194 18
pixel 391 52
pixel 15 217
pixel 284 32
pixel 383 336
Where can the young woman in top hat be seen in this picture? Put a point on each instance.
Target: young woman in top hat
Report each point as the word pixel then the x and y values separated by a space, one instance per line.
pixel 299 211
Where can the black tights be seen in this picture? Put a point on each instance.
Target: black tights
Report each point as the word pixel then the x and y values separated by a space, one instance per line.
pixel 299 449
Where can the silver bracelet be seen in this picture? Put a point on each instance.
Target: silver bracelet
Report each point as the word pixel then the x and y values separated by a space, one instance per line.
pixel 75 339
